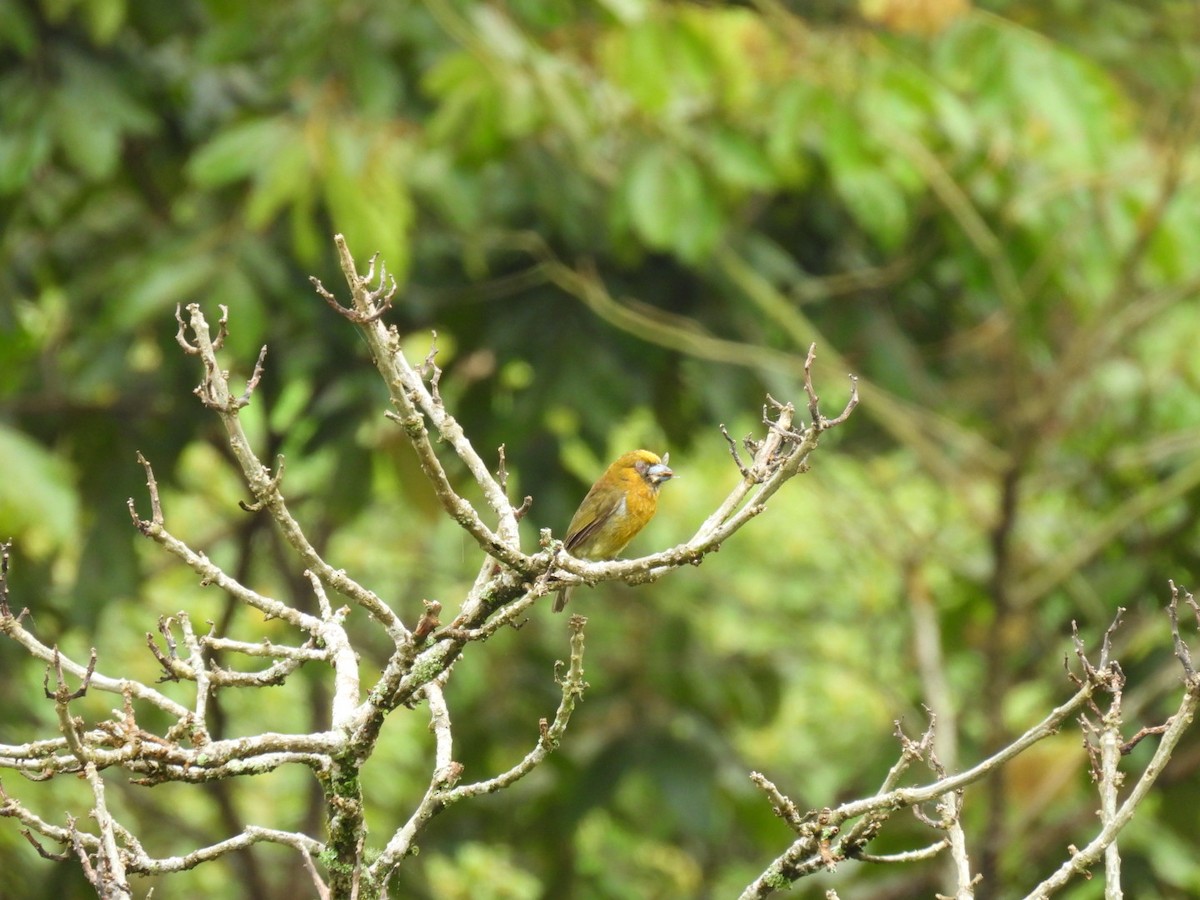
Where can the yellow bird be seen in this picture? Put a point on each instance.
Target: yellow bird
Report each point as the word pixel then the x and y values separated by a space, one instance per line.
pixel 617 507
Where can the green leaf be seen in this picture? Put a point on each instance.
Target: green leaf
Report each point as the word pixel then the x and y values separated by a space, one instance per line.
pixel 453 192
pixel 38 502
pixel 638 61
pixel 104 19
pixel 786 132
pixel 91 114
pixel 20 153
pixel 468 117
pixel 738 160
pixel 700 226
pixel 730 48
pixel 308 241
pixel 367 198
pixel 872 194
pixel 671 205
pixel 89 142
pixel 241 151
pixel 878 205
pixel 17 29
pixel 166 282
pixel 650 194
pixel 520 109
pixel 288 176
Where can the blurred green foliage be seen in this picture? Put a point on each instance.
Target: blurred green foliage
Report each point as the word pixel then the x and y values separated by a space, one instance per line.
pixel 626 220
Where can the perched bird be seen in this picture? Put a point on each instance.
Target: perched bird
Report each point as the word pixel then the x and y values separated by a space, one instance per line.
pixel 617 507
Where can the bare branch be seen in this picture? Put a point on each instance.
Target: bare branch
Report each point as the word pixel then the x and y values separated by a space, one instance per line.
pixel 214 391
pixel 211 574
pixel 369 305
pixel 733 451
pixel 156 512
pixel 416 403
pixel 950 807
pixel 442 792
pixel 11 626
pixel 907 856
pixel 805 854
pixel 109 876
pixel 5 609
pixel 266 648
pixel 781 804
pixel 507 584
pixel 255 377
pixel 1082 860
pixel 1181 648
pixel 181 334
pixel 428 622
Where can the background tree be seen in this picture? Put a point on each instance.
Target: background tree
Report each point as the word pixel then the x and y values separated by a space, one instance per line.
pixel 626 220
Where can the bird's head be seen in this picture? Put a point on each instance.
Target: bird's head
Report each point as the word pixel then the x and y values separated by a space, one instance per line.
pixel 647 465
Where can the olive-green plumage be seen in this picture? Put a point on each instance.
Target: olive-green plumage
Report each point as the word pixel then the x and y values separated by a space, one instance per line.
pixel 617 507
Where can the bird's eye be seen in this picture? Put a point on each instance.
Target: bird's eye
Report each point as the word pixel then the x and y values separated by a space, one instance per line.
pixel 640 465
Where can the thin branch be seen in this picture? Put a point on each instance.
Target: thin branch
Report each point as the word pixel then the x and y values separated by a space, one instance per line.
pixel 255 377
pixel 415 403
pixel 906 856
pixel 110 878
pixel 1083 860
pixel 376 303
pixel 253 834
pixel 266 648
pixel 950 807
pixel 428 621
pixel 442 791
pixel 11 626
pixel 214 391
pixel 573 687
pixel 210 574
pixel 1110 783
pixel 781 804
pixel 804 856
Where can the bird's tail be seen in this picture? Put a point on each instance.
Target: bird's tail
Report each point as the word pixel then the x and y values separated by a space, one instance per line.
pixel 560 601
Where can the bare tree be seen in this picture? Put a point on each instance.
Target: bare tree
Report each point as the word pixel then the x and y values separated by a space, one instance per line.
pixel 508 583
pixel 828 836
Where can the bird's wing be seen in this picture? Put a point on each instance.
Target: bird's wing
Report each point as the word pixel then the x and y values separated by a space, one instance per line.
pixel 582 528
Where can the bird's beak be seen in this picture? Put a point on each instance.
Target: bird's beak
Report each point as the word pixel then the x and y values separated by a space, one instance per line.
pixel 659 472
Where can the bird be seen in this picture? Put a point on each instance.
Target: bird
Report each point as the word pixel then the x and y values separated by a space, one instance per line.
pixel 616 508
